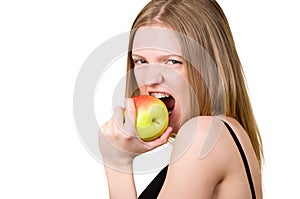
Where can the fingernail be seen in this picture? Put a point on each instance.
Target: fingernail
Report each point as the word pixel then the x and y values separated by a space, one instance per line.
pixel 129 102
pixel 126 101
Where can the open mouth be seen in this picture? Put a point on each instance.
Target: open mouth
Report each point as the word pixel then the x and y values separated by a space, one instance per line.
pixel 167 99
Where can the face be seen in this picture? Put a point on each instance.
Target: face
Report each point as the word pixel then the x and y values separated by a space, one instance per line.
pixel 159 71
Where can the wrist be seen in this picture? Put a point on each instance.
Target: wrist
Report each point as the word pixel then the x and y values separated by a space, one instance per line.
pixel 120 165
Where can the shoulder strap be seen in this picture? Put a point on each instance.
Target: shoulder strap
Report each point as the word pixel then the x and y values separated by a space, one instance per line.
pixel 246 165
pixel 153 189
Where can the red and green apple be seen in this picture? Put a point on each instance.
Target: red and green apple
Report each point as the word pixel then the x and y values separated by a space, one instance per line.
pixel 152 117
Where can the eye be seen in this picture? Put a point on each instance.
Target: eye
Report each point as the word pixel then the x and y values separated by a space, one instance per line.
pixel 173 61
pixel 140 61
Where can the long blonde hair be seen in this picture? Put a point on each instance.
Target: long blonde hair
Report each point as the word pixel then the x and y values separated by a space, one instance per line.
pixel 204 22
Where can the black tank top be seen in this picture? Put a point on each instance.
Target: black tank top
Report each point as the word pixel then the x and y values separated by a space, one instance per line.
pixel 153 189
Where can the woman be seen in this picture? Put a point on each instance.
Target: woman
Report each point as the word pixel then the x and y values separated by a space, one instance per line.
pixel 183 50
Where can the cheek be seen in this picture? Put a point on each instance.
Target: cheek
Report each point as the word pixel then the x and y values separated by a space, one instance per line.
pixel 183 73
pixel 179 83
pixel 137 79
pixel 182 89
pixel 140 79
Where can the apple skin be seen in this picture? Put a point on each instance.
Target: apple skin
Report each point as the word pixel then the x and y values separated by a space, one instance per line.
pixel 152 117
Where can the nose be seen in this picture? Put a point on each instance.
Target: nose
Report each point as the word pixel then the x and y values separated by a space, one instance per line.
pixel 152 79
pixel 148 76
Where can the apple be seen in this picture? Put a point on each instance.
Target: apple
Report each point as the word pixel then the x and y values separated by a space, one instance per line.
pixel 152 117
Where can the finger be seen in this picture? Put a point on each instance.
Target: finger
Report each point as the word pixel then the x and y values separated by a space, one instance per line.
pixel 103 128
pixel 118 116
pixel 163 139
pixel 130 116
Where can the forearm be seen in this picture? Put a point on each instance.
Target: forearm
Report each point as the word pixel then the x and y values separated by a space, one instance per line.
pixel 121 184
pixel 119 144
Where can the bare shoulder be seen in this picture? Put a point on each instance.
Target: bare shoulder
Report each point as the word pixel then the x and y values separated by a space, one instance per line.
pixel 196 165
pixel 205 160
pixel 198 138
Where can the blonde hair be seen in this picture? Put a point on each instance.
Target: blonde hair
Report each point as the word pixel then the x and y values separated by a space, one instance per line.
pixel 219 87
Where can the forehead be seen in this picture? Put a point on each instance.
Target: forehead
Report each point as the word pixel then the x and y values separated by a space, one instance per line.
pixel 156 38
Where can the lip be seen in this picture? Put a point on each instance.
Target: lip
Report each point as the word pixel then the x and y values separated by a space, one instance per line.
pixel 172 114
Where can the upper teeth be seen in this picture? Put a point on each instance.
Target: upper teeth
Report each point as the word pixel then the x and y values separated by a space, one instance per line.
pixel 160 95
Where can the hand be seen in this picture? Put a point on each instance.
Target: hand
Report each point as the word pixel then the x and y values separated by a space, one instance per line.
pixel 119 143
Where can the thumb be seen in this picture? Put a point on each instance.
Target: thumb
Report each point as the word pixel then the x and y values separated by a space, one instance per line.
pixel 130 115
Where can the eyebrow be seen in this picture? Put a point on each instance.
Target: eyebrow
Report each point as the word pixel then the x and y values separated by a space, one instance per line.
pixel 135 55
pixel 159 57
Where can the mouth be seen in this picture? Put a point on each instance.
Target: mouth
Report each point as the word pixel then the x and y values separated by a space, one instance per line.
pixel 167 99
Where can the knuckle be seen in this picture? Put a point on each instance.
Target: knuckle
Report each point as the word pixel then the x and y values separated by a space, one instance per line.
pixel 126 136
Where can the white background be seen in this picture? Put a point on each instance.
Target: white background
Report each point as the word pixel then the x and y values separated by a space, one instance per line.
pixel 43 45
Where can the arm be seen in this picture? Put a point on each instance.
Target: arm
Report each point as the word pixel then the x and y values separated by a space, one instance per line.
pixel 121 184
pixel 119 145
